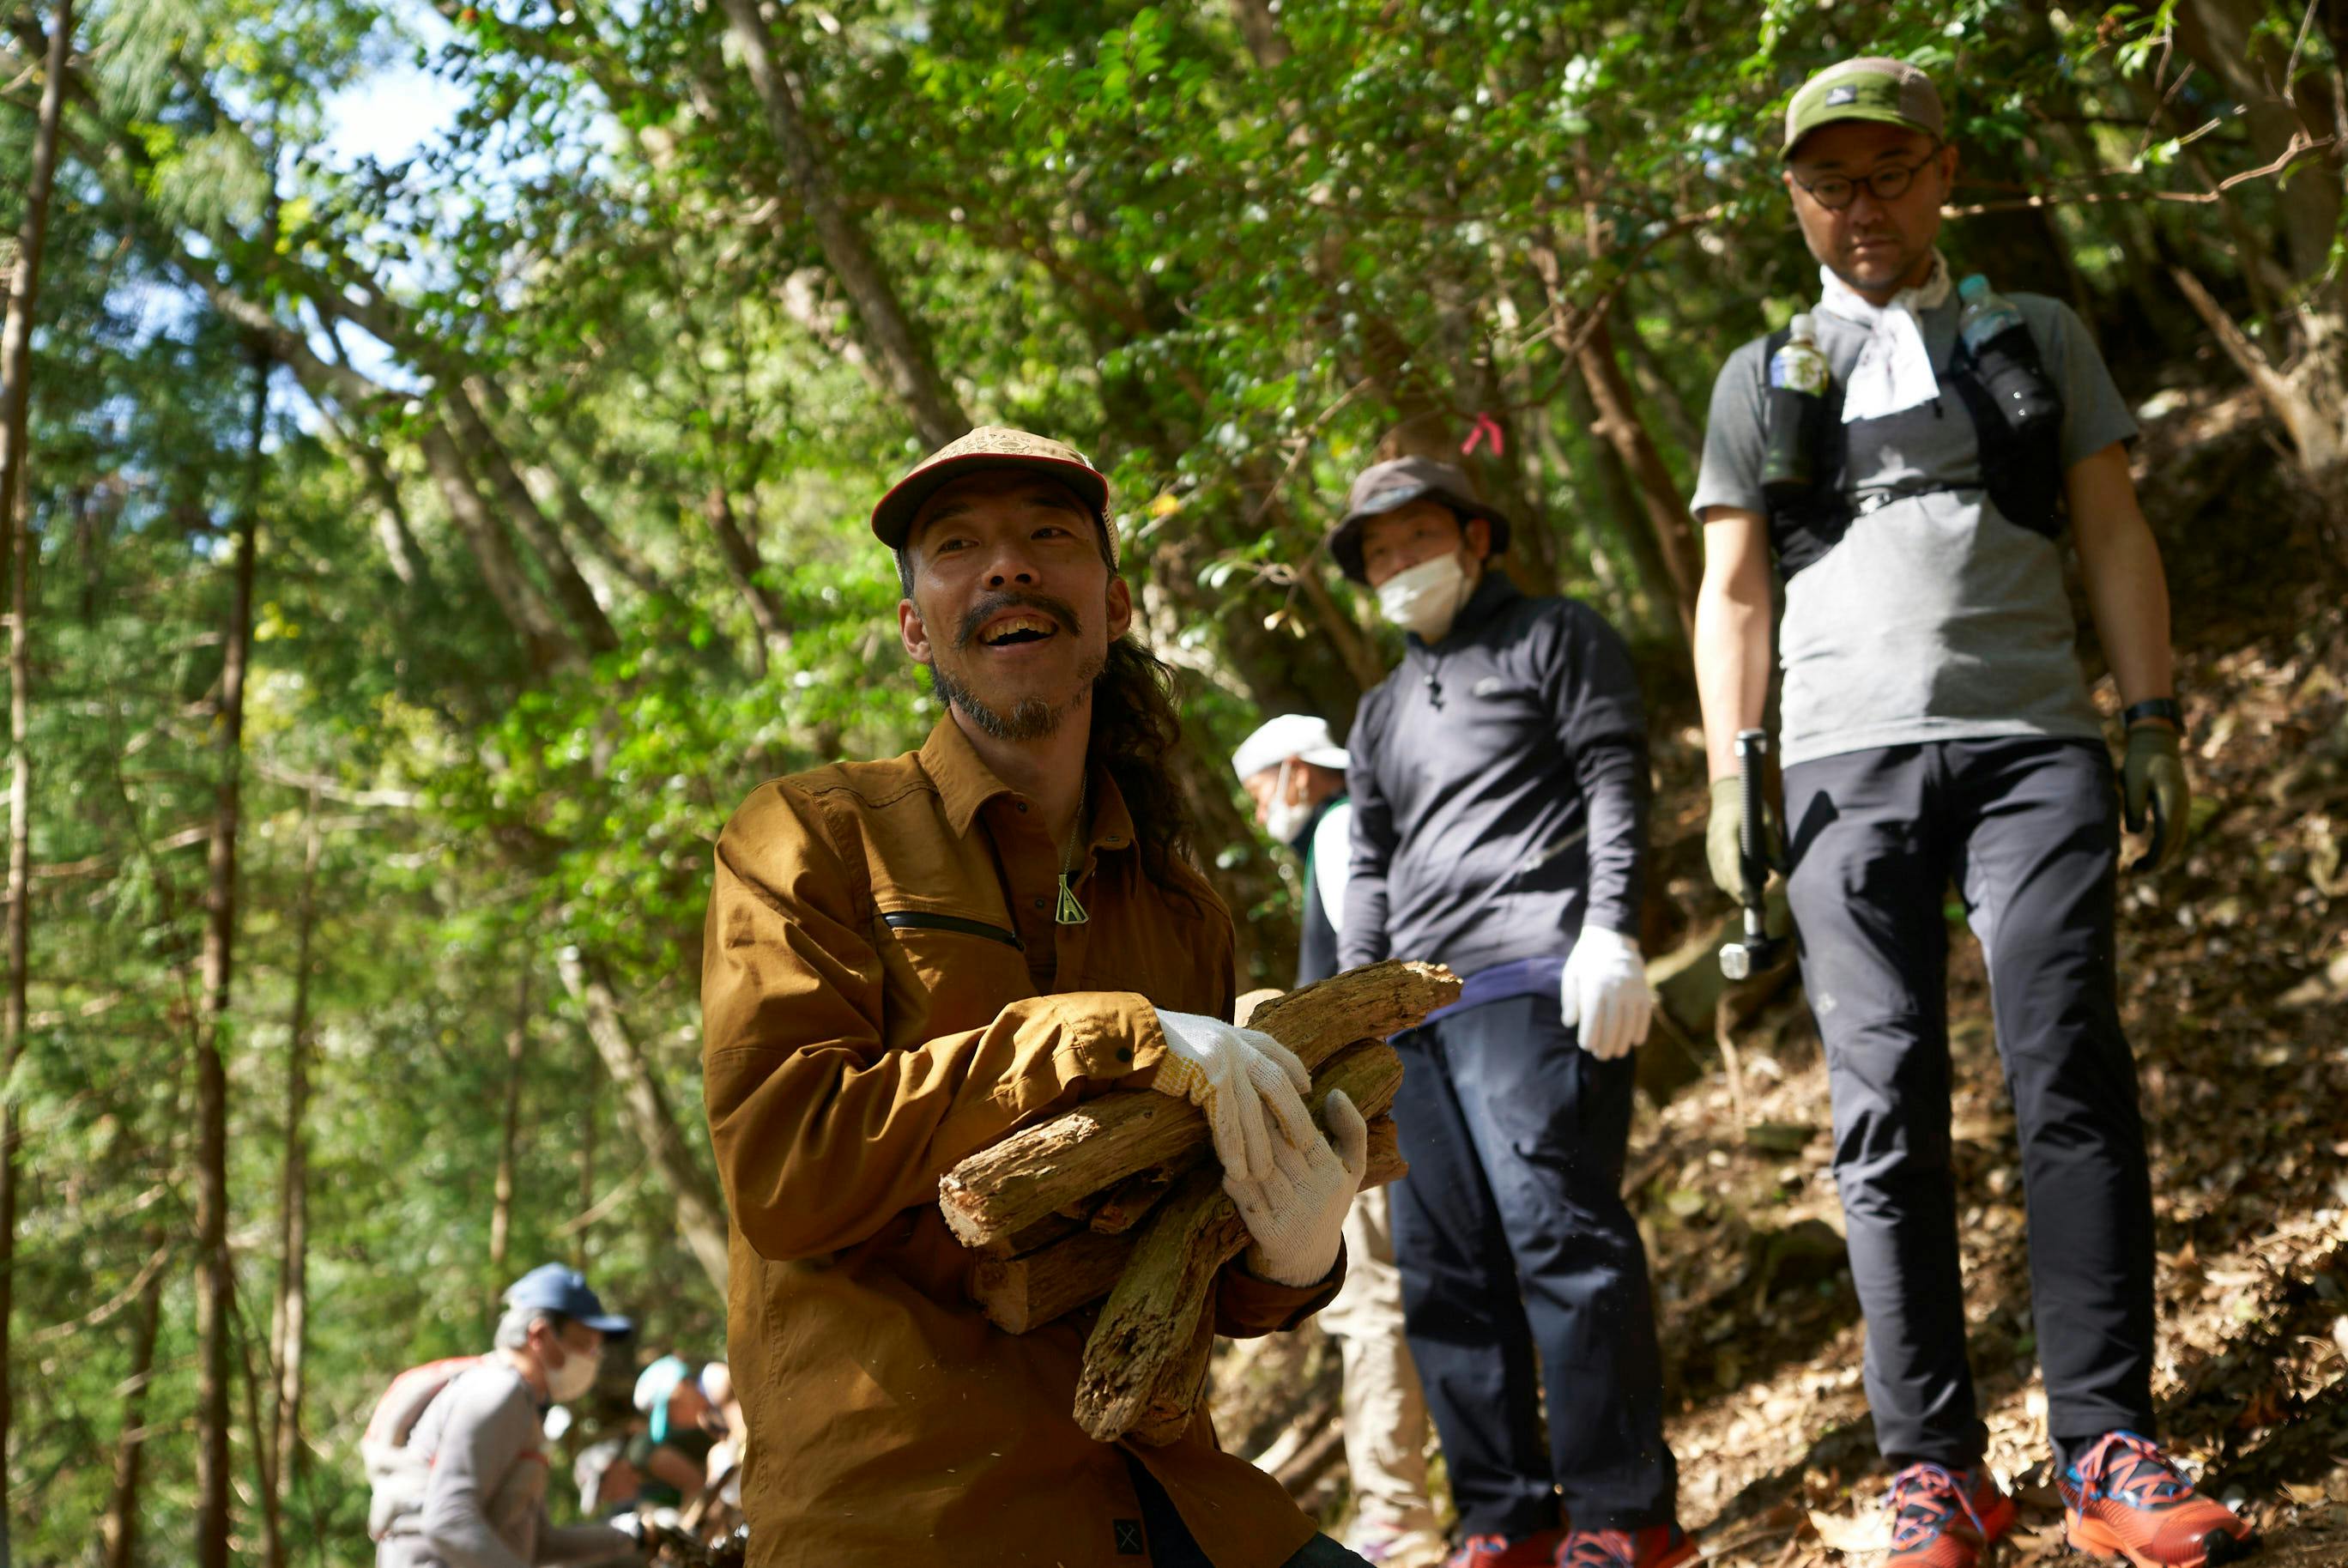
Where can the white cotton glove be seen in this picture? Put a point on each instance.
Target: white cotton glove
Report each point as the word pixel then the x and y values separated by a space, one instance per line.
pixel 1604 992
pixel 1244 1081
pixel 1296 1209
pixel 645 1532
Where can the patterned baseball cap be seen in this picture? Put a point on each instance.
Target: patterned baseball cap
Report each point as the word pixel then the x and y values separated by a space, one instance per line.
pixel 990 446
pixel 1869 88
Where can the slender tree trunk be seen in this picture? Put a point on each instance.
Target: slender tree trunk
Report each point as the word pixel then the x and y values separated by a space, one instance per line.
pixel 742 565
pixel 393 530
pixel 215 1298
pixel 1659 496
pixel 16 526
pixel 1609 506
pixel 289 1314
pixel 501 571
pixel 887 331
pixel 501 1212
pixel 1260 28
pixel 486 457
pixel 700 1211
pixel 272 1523
pixel 119 1534
pixel 591 1083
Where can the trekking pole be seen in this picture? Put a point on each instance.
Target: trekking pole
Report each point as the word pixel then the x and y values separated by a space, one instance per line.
pixel 1759 950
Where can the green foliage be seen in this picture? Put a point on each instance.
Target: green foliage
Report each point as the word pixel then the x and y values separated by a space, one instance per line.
pixel 1225 278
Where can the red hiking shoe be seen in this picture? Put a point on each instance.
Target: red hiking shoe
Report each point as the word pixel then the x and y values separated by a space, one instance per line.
pixel 2128 1499
pixel 1657 1546
pixel 1499 1552
pixel 1943 1518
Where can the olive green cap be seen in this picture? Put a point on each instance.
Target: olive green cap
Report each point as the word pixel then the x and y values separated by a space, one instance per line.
pixel 1869 87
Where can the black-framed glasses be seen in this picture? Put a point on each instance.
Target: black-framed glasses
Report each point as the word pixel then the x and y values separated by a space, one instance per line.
pixel 1887 183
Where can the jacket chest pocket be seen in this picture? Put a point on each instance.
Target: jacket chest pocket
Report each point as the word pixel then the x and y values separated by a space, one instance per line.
pixel 951 971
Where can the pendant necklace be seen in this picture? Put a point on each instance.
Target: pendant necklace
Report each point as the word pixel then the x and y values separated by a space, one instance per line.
pixel 1071 913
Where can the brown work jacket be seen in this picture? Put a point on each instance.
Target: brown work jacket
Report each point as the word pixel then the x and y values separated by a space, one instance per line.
pixel 884 992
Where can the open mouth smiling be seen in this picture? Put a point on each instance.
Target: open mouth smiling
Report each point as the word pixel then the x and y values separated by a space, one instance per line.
pixel 1018 630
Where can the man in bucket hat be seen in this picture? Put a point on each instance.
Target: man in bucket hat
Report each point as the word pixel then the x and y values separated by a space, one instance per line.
pixel 1911 489
pixel 905 960
pixel 1500 790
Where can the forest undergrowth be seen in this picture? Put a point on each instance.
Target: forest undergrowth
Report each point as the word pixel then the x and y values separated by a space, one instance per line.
pixel 2234 973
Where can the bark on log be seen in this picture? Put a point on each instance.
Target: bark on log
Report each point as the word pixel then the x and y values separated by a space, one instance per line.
pixel 1174 1407
pixel 1140 1341
pixel 1035 1174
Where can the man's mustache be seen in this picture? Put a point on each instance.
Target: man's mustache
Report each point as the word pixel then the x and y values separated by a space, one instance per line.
pixel 993 605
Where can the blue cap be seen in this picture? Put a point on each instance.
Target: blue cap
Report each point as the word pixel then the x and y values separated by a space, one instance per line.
pixel 564 1291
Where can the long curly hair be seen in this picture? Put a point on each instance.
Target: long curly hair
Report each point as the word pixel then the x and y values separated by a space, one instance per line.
pixel 1135 729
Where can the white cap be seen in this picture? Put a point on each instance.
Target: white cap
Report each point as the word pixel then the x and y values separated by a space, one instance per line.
pixel 1292 736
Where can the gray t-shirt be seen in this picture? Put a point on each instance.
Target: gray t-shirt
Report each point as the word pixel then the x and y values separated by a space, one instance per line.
pixel 1934 618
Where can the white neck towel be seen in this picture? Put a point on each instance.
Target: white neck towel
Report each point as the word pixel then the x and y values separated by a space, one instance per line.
pixel 1894 369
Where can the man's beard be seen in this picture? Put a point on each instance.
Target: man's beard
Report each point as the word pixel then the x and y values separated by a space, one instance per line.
pixel 1030 718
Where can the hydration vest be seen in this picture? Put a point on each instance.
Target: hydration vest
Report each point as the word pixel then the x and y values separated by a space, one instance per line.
pixel 2022 472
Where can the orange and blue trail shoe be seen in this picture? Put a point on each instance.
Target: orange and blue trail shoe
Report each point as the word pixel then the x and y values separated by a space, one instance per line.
pixel 1500 1551
pixel 2128 1499
pixel 1943 1518
pixel 1657 1546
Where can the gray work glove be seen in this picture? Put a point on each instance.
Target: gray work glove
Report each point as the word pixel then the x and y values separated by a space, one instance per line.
pixel 1723 837
pixel 2152 781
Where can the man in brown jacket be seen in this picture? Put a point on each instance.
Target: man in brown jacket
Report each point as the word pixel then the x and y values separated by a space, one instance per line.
pixel 906 959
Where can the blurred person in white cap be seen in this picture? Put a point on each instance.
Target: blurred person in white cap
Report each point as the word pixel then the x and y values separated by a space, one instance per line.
pixel 1295 773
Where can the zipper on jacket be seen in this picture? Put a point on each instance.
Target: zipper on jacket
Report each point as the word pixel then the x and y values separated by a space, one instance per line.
pixel 913 920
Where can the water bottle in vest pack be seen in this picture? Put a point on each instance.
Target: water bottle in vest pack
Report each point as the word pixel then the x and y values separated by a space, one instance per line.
pixel 1999 341
pixel 396 1472
pixel 1798 379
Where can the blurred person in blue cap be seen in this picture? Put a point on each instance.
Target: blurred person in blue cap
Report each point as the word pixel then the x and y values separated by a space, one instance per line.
pixel 483 1447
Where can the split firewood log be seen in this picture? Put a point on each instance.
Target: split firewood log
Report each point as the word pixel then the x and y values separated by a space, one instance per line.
pixel 1032 1289
pixel 1136 1360
pixel 1038 1172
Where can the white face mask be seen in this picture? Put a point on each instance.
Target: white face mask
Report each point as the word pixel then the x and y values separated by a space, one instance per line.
pixel 575 1376
pixel 1425 598
pixel 1284 818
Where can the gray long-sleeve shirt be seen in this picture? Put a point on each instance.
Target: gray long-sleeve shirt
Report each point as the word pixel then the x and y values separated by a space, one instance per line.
pixel 485 1505
pixel 1499 788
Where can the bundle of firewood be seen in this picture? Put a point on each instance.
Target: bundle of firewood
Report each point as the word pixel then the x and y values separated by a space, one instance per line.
pixel 1122 1198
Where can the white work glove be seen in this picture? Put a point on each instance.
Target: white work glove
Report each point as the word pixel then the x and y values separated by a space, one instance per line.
pixel 1243 1080
pixel 1604 992
pixel 1296 1211
pixel 646 1533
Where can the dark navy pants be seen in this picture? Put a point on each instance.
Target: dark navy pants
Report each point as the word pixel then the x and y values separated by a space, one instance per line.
pixel 2028 830
pixel 1172 1545
pixel 1513 1238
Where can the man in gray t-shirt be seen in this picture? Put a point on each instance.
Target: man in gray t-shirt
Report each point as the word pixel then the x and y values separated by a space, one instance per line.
pixel 1936 728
